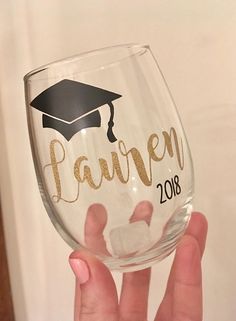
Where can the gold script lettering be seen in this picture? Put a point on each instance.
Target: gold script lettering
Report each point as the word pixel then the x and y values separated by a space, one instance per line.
pixel 168 144
pixel 140 167
pixel 104 169
pixel 54 164
pixel 87 175
pixel 116 163
pixel 153 142
pixel 83 173
pixel 55 171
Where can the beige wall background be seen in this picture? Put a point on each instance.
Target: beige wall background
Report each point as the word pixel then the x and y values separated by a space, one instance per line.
pixel 195 44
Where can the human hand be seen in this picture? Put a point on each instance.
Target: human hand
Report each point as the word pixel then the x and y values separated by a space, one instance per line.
pixel 96 297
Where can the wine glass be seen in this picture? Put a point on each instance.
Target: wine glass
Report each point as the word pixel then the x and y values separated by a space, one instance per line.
pixel 112 161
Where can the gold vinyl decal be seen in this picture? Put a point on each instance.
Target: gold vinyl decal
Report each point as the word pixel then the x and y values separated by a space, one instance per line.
pixel 83 174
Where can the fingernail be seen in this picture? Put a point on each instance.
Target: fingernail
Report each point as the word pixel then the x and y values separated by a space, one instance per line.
pixel 80 269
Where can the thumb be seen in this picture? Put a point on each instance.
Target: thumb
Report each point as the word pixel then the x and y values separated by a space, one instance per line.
pixel 95 294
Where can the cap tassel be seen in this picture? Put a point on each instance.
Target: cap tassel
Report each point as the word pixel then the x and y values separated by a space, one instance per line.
pixel 110 135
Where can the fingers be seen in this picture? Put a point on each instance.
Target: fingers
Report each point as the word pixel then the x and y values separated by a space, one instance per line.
pixel 197 228
pixel 134 295
pixel 187 289
pixel 142 212
pixel 183 297
pixel 135 287
pixel 96 296
pixel 95 224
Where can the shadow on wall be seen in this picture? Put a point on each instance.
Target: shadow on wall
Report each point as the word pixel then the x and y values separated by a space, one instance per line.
pixel 6 306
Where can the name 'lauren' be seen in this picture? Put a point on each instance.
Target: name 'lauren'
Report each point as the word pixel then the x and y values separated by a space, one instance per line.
pixel 82 172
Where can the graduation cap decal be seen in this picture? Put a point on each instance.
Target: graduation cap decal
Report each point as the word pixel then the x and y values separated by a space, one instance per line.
pixel 69 106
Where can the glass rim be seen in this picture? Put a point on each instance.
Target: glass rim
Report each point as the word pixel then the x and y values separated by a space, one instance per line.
pixel 138 49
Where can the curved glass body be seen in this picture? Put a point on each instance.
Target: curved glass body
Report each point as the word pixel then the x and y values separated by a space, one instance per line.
pixel 112 161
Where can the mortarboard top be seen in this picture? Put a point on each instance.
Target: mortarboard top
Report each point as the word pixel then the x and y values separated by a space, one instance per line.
pixel 70 106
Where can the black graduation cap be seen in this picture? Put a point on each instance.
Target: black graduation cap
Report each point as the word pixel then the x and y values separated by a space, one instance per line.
pixel 70 106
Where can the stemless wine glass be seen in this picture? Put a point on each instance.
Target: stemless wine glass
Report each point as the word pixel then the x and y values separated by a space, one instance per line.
pixel 112 161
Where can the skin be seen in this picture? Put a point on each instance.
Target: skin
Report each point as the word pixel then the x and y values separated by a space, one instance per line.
pixel 96 297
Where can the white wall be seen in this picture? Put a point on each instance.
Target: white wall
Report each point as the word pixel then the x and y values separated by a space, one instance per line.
pixel 196 48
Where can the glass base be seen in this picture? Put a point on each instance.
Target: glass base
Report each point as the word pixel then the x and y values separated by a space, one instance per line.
pixel 172 234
